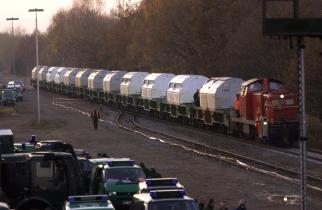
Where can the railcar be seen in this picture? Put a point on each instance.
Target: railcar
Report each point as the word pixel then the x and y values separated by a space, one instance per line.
pixel 216 102
pixel 130 89
pixel 179 105
pixel 70 81
pixel 268 112
pixel 50 78
pixel 42 76
pixel 59 79
pixel 95 85
pixel 81 82
pixel 154 91
pixel 111 86
pixel 34 75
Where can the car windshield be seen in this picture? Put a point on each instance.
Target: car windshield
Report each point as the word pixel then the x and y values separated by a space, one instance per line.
pixel 8 94
pixel 18 91
pixel 124 174
pixel 173 205
pixel 19 83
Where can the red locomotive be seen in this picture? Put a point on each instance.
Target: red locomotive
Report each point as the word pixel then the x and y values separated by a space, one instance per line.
pixel 268 112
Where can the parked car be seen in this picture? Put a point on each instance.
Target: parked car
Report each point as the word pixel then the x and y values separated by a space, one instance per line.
pixel 19 96
pixel 20 82
pixel 8 97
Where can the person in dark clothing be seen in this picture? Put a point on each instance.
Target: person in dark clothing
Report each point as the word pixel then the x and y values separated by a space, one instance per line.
pixel 95 115
pixel 201 206
pixel 154 173
pixel 223 206
pixel 242 205
pixel 210 205
pixel 145 170
pixel 33 140
pixel 196 98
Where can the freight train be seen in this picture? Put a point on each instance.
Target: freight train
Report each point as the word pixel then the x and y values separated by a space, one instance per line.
pixel 268 112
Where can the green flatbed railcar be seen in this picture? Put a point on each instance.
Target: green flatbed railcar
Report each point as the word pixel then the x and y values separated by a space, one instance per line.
pixel 98 96
pixel 81 92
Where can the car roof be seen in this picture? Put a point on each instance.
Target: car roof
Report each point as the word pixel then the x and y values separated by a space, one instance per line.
pixel 160 184
pixel 120 163
pixel 6 132
pixel 89 202
pixel 146 198
pixel 35 155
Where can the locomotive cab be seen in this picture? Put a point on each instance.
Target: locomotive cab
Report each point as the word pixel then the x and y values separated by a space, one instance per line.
pixel 269 110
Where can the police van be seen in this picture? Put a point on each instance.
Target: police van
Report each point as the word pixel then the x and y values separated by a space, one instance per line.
pixel 97 202
pixel 159 184
pixel 163 200
pixel 118 178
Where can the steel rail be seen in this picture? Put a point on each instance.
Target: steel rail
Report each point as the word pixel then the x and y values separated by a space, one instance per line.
pixel 242 161
pixel 315 183
pixel 243 141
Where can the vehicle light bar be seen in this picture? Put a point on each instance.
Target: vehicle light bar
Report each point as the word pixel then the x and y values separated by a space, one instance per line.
pixel 167 194
pixel 112 163
pixel 161 182
pixel 99 160
pixel 74 199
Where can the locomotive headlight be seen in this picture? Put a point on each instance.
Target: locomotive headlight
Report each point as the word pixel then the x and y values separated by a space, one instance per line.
pixel 265 122
pixel 281 96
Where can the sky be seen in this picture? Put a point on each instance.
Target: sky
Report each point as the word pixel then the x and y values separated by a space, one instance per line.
pixel 19 9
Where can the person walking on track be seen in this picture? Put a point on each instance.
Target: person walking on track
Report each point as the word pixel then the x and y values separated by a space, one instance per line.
pixel 95 115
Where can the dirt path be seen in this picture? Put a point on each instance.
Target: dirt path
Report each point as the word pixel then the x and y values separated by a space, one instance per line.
pixel 203 178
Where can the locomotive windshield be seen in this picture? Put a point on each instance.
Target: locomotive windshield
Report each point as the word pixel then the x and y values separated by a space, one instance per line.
pixel 256 86
pixel 275 86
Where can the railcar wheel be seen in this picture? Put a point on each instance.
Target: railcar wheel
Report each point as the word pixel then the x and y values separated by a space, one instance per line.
pixel 266 140
pixel 252 132
pixel 224 129
pixel 286 141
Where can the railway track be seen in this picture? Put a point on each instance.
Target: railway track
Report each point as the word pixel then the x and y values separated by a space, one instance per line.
pixel 314 183
pixel 313 155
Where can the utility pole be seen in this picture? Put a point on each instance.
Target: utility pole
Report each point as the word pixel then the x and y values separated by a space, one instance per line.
pixel 296 28
pixel 13 48
pixel 303 133
pixel 37 60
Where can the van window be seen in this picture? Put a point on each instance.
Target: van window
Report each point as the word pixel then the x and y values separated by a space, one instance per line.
pixel 44 169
